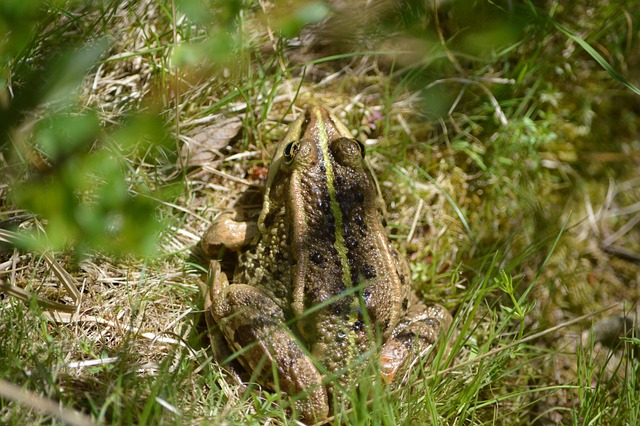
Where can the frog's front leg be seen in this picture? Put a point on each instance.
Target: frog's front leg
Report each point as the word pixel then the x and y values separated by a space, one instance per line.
pixel 253 325
pixel 414 336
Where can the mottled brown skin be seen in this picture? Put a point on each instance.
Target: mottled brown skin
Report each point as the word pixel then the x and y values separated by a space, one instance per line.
pixel 321 242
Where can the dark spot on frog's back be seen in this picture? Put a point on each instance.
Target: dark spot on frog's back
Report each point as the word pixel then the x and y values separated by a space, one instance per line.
pixel 329 224
pixel 324 204
pixel 368 271
pixel 280 292
pixel 341 307
pixel 350 196
pixel 351 242
pixel 366 295
pixel 280 256
pixel 317 259
pixel 276 275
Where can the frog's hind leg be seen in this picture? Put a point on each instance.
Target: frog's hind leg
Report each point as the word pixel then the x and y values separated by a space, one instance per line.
pixel 253 326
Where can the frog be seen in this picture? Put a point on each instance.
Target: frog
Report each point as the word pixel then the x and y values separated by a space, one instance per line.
pixel 317 287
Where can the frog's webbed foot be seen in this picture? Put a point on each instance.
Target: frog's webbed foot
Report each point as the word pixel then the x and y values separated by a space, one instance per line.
pixel 413 339
pixel 226 231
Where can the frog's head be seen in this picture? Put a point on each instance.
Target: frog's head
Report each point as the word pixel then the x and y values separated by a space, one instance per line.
pixel 317 167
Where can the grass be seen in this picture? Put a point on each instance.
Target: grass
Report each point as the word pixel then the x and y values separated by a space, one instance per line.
pixel 506 157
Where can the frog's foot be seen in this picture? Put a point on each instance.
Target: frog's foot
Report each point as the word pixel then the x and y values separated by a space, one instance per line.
pixel 227 232
pixel 254 327
pixel 412 340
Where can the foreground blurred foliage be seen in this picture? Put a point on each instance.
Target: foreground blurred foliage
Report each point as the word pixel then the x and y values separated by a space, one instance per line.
pixel 63 164
pixel 83 187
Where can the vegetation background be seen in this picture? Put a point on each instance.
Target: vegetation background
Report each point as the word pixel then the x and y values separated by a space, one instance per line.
pixel 504 135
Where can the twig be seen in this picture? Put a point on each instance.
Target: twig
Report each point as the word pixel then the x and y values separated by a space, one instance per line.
pixel 416 217
pixel 226 175
pixel 622 253
pixel 626 228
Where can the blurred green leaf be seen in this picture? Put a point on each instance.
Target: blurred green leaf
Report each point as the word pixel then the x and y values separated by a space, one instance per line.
pixel 224 12
pixel 65 73
pixel 307 13
pixel 486 41
pixel 86 195
pixel 15 38
pixel 74 170
pixel 78 131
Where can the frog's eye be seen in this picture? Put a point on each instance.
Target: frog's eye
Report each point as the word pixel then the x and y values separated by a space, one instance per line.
pixel 290 151
pixel 347 151
pixel 359 145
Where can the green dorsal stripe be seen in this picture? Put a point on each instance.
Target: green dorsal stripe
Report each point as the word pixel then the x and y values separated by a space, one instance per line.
pixel 323 138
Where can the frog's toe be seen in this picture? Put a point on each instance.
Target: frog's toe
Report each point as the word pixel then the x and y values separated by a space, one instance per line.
pixel 413 339
pixel 394 353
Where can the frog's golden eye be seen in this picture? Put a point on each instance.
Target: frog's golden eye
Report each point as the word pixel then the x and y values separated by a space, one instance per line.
pixel 290 151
